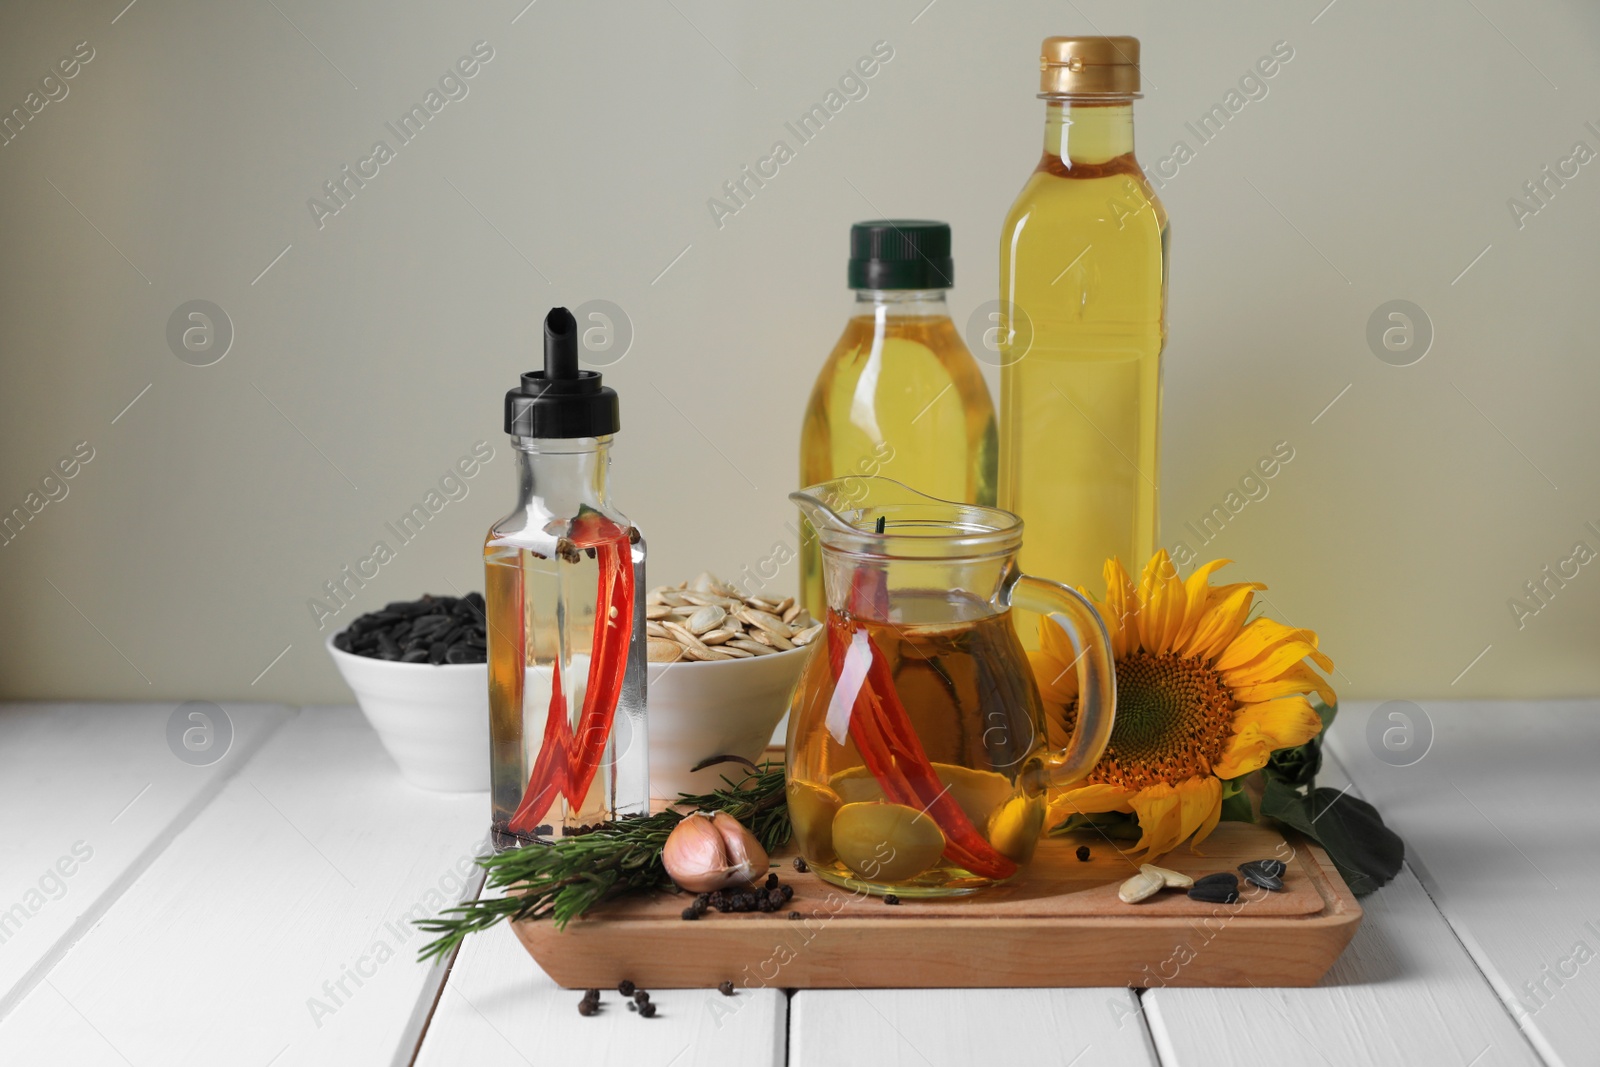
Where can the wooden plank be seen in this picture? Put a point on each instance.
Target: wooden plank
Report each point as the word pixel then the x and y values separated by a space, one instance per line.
pixel 90 794
pixel 1500 820
pixel 273 929
pixel 499 1008
pixel 1404 992
pixel 918 1027
pixel 1059 924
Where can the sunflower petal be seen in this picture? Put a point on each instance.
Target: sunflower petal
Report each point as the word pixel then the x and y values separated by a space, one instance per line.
pixel 1223 618
pixel 1090 799
pixel 1197 594
pixel 1274 664
pixel 1300 678
pixel 1120 607
pixel 1246 751
pixel 1053 664
pixel 1210 822
pixel 1264 641
pixel 1162 603
pixel 1160 811
pixel 1281 723
pixel 1201 806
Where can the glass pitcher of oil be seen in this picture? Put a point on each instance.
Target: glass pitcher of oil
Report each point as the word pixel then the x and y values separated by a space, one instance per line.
pixel 1083 282
pixel 918 759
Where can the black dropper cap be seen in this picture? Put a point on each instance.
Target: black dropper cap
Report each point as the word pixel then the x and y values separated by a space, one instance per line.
pixel 900 254
pixel 561 400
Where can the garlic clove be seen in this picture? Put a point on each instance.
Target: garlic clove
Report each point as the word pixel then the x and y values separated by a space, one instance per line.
pixel 706 853
pixel 743 847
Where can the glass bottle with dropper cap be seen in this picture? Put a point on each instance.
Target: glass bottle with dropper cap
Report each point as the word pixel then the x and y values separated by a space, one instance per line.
pixel 901 395
pixel 1083 282
pixel 564 575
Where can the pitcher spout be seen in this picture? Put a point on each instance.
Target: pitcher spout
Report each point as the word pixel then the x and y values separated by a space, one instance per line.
pixel 882 517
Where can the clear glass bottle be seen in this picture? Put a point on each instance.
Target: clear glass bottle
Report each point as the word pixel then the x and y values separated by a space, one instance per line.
pixel 1083 279
pixel 564 575
pixel 901 395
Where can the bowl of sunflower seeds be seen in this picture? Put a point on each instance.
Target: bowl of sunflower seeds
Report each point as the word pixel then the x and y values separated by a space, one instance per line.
pixel 417 669
pixel 723 665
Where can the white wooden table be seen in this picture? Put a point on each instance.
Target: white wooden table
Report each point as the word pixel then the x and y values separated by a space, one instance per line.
pixel 253 912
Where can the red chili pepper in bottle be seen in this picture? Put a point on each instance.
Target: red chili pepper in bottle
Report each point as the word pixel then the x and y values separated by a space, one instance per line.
pixel 562 573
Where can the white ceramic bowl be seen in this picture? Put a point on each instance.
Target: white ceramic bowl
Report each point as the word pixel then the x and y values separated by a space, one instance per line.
pixel 433 720
pixel 701 709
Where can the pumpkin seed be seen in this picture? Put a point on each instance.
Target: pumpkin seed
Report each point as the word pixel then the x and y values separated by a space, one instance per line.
pixel 708 617
pixel 1147 883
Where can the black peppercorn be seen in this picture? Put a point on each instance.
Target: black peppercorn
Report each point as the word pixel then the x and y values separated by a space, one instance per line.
pixel 626 988
pixel 890 898
pixel 801 865
pixel 587 1006
pixel 647 1009
pixel 641 997
pixel 690 913
pixel 794 915
pixel 772 880
pixel 1083 853
pixel 725 988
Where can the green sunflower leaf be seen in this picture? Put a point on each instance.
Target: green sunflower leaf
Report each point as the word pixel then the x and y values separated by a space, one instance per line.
pixel 1118 826
pixel 1367 853
pixel 1298 766
pixel 1236 805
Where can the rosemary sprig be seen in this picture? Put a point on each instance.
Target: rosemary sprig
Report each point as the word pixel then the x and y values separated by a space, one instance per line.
pixel 564 879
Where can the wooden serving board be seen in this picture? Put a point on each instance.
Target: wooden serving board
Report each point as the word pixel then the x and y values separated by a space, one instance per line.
pixel 1060 924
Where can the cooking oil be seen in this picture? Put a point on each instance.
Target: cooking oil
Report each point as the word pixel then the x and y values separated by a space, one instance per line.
pixel 1083 271
pixel 961 675
pixel 900 396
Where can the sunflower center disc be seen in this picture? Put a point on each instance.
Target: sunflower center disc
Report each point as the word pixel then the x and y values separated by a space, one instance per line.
pixel 1174 715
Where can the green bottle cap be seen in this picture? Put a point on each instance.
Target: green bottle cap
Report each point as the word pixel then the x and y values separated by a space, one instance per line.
pixel 901 254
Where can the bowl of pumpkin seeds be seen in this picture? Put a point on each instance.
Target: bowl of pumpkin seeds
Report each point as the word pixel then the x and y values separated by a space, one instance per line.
pixel 723 664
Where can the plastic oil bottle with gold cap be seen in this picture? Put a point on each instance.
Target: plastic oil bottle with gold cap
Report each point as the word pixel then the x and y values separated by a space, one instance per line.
pixel 901 396
pixel 1083 272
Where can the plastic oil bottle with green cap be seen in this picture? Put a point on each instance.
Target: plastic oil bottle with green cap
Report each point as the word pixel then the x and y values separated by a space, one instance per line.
pixel 900 396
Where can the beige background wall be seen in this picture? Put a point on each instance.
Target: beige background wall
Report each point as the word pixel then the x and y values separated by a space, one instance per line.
pixel 373 354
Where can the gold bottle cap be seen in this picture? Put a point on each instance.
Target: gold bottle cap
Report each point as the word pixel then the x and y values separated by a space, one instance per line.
pixel 1099 66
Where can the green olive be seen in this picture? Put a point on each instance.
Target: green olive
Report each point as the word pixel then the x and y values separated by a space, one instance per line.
pixel 1014 828
pixel 811 812
pixel 886 842
pixel 856 785
pixel 980 793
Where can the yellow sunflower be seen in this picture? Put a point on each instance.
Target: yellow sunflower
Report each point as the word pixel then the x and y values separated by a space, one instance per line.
pixel 1202 697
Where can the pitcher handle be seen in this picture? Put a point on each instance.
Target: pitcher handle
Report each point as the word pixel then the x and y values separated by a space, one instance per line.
pixel 1097 677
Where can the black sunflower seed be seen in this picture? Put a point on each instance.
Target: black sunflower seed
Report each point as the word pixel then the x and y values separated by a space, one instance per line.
pixel 430 630
pixel 1272 867
pixel 1255 875
pixel 1222 878
pixel 1215 893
